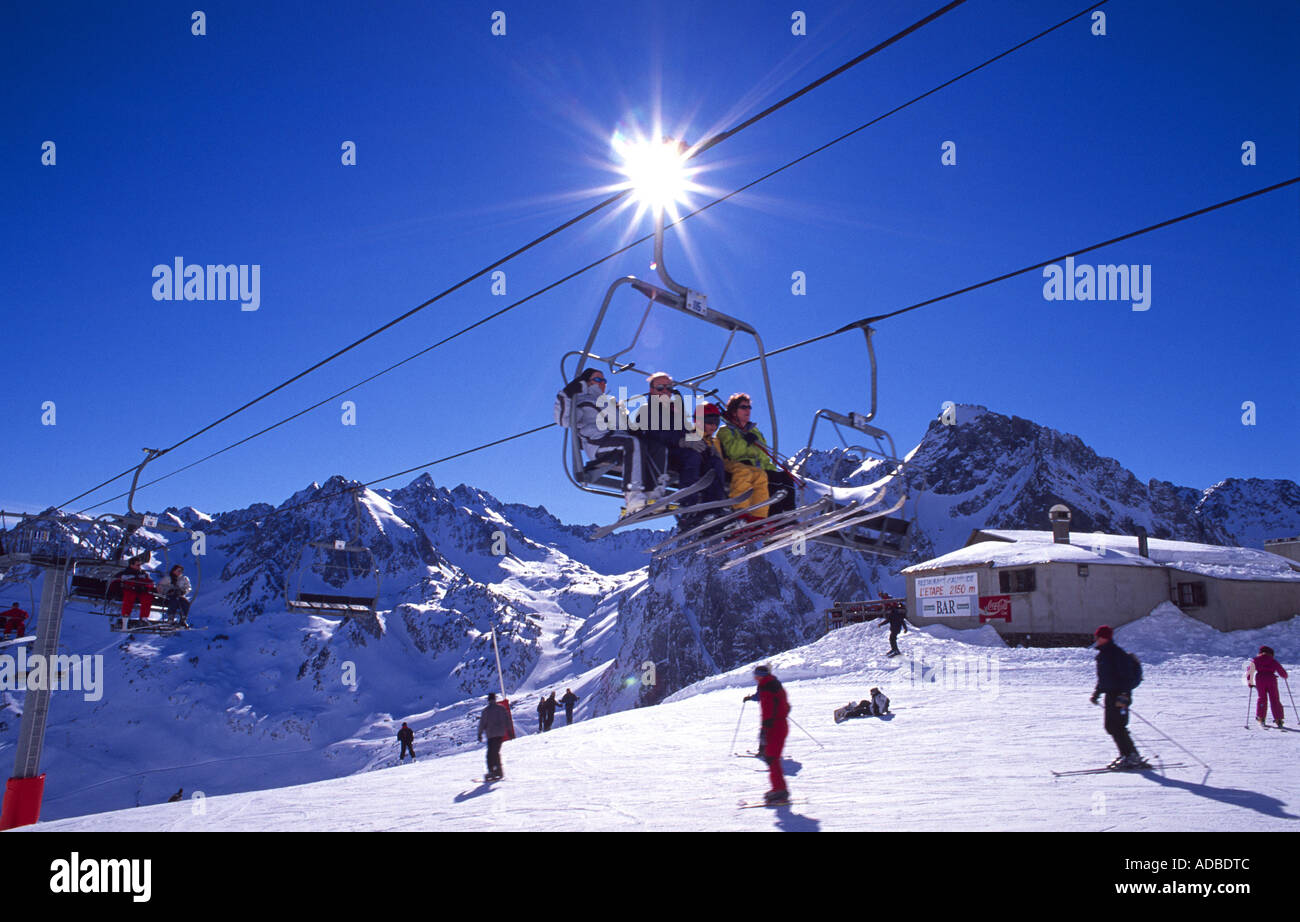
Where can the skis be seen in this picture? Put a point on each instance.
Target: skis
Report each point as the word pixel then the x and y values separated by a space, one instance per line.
pixel 18 640
pixel 749 804
pixel 1158 766
pixel 666 506
pixel 813 528
pixel 486 780
pixel 719 529
pixel 769 527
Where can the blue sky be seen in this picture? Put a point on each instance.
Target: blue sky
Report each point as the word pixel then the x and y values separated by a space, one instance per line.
pixel 225 148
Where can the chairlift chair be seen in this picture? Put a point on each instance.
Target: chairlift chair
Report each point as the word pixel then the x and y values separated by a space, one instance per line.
pixel 326 569
pixel 602 475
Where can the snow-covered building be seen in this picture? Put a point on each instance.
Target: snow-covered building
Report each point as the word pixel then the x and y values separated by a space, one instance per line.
pixel 1050 588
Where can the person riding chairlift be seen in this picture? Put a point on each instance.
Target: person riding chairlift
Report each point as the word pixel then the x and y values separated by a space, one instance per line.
pixel 13 621
pixel 137 586
pixel 699 455
pixel 749 462
pixel 591 409
pixel 173 591
pixel 661 424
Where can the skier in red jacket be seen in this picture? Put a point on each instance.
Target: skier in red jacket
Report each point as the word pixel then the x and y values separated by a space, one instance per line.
pixel 1267 670
pixel 775 708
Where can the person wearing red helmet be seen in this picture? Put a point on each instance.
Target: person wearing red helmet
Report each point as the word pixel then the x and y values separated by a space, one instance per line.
pixel 1116 670
pixel 699 453
pixel 1266 672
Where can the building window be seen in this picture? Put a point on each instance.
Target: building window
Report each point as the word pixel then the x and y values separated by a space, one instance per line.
pixel 1191 595
pixel 1083 569
pixel 1017 581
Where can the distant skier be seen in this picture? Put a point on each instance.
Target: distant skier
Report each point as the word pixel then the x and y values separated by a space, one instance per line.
pixel 775 708
pixel 551 706
pixel 896 616
pixel 495 723
pixel 541 715
pixel 569 700
pixel 177 797
pixel 406 736
pixel 1117 675
pixel 1267 670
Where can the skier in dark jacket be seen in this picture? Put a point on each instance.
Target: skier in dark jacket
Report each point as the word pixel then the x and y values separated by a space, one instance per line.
pixel 494 722
pixel 775 708
pixel 551 706
pixel 569 700
pixel 406 737
pixel 897 619
pixel 1266 672
pixel 1115 681
pixel 541 715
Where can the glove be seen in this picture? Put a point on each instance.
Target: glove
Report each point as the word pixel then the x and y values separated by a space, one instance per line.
pixel 1094 697
pixel 749 437
pixel 751 697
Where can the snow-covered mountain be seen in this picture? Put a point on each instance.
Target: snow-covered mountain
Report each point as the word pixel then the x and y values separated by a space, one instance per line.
pixel 263 697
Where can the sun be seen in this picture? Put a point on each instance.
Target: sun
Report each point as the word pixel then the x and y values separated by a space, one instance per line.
pixel 656 170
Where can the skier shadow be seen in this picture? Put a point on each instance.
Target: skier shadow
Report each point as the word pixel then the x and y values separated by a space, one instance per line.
pixel 1253 800
pixel 789 821
pixel 790 766
pixel 479 791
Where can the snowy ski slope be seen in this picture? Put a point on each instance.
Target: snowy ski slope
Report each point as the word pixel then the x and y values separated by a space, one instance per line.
pixel 977 729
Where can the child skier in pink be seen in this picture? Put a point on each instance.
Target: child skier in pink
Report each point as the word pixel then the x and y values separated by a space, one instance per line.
pixel 1267 670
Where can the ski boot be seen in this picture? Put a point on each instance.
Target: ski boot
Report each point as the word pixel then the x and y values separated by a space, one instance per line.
pixel 776 797
pixel 1278 721
pixel 1118 764
pixel 1135 763
pixel 633 501
pixel 1260 721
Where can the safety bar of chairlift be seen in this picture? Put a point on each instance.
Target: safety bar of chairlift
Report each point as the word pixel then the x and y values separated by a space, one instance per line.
pixel 858 422
pixel 678 297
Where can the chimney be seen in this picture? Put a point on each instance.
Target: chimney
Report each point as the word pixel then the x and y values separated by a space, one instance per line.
pixel 1142 542
pixel 1060 516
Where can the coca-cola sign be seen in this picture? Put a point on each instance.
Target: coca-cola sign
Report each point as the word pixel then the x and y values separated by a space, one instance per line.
pixel 995 607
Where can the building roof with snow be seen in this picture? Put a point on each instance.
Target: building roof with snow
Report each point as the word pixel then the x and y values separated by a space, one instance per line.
pixel 1015 548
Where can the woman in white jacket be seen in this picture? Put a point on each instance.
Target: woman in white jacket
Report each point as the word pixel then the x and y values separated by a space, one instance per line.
pixel 174 592
pixel 591 413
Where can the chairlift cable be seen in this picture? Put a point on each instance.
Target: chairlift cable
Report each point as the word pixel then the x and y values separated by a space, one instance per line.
pixel 846 328
pixel 635 243
pixel 707 145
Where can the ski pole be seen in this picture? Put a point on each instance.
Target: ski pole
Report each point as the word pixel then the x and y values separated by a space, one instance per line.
pixel 805 732
pixel 735 736
pixel 1249 689
pixel 1165 735
pixel 1289 695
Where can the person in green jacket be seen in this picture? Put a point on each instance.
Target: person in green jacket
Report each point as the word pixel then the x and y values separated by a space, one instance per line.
pixel 749 463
